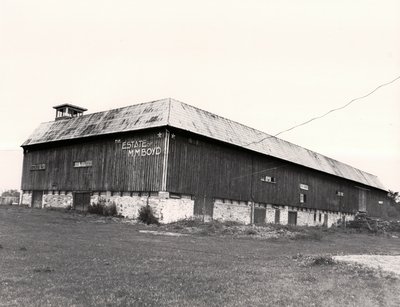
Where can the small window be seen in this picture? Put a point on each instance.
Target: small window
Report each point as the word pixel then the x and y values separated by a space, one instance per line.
pixel 315 216
pixel 38 167
pixel 303 186
pixel 303 198
pixel 339 193
pixel 175 195
pixel 83 163
pixel 320 217
pixel 268 179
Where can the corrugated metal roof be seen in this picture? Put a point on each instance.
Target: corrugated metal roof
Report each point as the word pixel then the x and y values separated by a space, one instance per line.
pixel 183 116
pixel 189 118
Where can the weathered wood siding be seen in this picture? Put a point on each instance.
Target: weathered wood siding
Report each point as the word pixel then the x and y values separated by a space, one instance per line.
pixel 385 209
pixel 113 168
pixel 203 167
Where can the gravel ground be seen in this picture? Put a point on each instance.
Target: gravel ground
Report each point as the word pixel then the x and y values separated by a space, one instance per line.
pixel 384 262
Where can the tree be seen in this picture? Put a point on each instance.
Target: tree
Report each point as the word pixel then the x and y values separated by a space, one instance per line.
pixel 10 193
pixel 394 196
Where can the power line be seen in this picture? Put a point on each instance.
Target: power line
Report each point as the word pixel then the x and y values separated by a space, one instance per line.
pixel 325 114
pixel 306 122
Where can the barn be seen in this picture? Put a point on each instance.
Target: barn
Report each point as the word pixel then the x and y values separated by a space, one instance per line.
pixel 185 162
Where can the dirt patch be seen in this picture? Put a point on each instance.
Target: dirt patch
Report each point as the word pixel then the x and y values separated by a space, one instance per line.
pixel 383 262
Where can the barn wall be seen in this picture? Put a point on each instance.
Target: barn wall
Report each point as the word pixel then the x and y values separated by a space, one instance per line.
pixel 202 167
pixel 197 166
pixel 387 209
pixel 117 164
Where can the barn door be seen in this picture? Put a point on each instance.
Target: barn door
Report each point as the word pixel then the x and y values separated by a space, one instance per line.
pixel 204 207
pixel 362 200
pixel 259 215
pixel 325 220
pixel 292 218
pixel 277 216
pixel 37 199
pixel 81 201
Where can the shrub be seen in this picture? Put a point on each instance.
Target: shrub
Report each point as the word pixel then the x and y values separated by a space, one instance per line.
pixel 110 209
pixel 103 208
pixel 96 208
pixel 10 193
pixel 146 216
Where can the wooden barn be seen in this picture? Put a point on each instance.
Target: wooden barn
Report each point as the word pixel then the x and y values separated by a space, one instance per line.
pixel 185 162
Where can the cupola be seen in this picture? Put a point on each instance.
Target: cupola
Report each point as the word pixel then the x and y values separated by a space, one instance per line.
pixel 66 110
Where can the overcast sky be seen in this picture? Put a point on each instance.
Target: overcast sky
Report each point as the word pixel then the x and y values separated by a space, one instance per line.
pixel 267 64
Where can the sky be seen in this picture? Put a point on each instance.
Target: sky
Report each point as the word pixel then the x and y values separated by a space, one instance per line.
pixel 266 64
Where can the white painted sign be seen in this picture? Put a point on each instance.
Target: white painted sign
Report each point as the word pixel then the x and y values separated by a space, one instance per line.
pixel 140 148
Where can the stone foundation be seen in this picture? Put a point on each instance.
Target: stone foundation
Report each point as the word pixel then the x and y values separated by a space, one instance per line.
pixel 171 209
pixel 166 209
pixel 227 210
pixel 26 198
pixel 61 199
pixel 284 215
pixel 127 205
pixel 232 211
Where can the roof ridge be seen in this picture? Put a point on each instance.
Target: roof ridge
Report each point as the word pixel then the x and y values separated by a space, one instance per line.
pixel 225 118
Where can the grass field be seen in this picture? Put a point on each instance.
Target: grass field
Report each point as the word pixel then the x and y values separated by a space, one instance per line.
pixel 52 258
